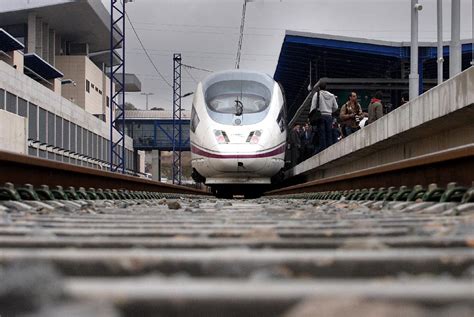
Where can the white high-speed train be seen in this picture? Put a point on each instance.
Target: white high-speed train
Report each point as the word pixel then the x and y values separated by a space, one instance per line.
pixel 237 132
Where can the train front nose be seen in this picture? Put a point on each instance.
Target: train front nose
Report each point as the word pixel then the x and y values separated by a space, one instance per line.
pixel 234 157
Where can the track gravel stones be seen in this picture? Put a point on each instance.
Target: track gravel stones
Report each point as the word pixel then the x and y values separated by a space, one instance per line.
pixel 265 257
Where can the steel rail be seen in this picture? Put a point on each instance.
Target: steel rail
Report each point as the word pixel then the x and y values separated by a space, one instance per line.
pixel 443 167
pixel 23 169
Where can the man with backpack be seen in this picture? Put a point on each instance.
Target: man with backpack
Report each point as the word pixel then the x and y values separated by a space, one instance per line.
pixel 323 105
pixel 351 111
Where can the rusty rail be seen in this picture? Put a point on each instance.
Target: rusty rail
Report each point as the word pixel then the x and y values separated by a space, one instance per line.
pixel 441 167
pixel 23 169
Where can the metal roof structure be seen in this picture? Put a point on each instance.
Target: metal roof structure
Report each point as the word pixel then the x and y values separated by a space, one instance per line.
pixel 349 58
pixel 9 43
pixel 41 67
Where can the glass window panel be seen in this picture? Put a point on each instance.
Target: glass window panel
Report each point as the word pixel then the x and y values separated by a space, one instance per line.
pixel 22 107
pixel 32 151
pixel 66 134
pixel 51 133
pixel 101 148
pixel 32 122
pixel 11 103
pixel 42 125
pixel 84 141
pixel 2 99
pixel 94 145
pixel 89 143
pixel 50 156
pixel 144 133
pixel 42 153
pixel 59 131
pixel 79 140
pixel 73 137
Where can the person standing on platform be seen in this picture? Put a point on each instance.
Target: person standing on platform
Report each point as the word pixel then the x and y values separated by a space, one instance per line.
pixel 324 102
pixel 307 147
pixel 375 108
pixel 295 144
pixel 351 111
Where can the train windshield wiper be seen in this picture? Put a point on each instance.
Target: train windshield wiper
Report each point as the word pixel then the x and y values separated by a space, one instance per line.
pixel 239 107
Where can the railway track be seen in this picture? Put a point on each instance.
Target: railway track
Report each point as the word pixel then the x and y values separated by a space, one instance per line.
pixel 151 253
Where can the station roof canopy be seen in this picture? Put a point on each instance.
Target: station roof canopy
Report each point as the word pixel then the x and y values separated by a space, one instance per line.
pixel 41 67
pixel 9 43
pixel 81 21
pixel 344 57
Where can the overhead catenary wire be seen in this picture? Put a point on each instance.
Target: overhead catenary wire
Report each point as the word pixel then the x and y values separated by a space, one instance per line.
pixel 241 36
pixel 146 52
pixel 190 75
pixel 197 68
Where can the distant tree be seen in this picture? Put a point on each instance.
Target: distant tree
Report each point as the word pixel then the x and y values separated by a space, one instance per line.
pixel 130 106
pixel 157 109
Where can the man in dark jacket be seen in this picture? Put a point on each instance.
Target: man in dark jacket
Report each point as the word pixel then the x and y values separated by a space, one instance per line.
pixel 307 147
pixel 295 144
pixel 375 107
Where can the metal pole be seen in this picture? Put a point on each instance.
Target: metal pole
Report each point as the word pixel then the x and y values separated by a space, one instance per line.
pixel 440 59
pixel 414 77
pixel 455 47
pixel 472 45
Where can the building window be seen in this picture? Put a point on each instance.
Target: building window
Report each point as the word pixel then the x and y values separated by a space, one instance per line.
pixel 88 86
pixel 42 126
pixel 59 132
pixel 89 143
pixel 66 135
pixel 2 99
pixel 22 107
pixel 51 125
pixel 32 122
pixel 11 103
pixel 92 85
pixel 79 140
pixel 84 142
pixel 73 137
pixel 100 91
pixel 108 101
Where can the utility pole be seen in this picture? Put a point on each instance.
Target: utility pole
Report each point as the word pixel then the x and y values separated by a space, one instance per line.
pixel 117 85
pixel 414 83
pixel 146 94
pixel 177 133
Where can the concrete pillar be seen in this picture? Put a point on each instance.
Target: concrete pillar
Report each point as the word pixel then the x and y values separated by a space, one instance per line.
pixel 440 59
pixel 45 45
pixel 52 46
pixel 414 77
pixel 31 44
pixel 455 47
pixel 156 165
pixel 39 37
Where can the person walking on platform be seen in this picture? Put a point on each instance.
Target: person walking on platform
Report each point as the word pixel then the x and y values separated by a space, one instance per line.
pixel 351 111
pixel 375 108
pixel 323 105
pixel 294 145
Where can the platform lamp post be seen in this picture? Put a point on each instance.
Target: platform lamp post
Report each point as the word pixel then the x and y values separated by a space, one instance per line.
pixel 414 78
pixel 440 58
pixel 455 54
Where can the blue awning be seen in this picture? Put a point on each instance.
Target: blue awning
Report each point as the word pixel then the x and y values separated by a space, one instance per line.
pixel 8 43
pixel 41 67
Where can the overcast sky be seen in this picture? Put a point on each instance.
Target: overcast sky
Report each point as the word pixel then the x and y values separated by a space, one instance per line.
pixel 206 32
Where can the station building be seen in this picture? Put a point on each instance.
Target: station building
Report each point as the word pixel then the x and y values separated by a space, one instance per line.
pixel 54 84
pixel 349 63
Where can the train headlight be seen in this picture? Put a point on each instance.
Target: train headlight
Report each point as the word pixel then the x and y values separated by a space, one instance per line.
pixel 254 137
pixel 221 137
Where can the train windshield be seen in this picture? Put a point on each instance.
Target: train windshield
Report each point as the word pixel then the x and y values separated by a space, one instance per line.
pixel 238 96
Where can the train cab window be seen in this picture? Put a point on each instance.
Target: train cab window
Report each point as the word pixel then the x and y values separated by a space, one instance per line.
pixel 227 96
